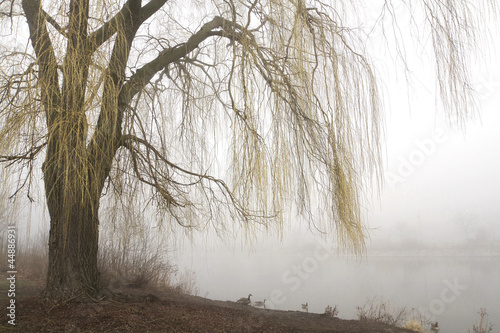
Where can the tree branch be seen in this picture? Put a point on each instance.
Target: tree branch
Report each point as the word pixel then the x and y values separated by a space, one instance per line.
pixel 109 123
pixel 109 28
pixel 54 23
pixel 46 59
pixel 143 75
pixel 126 141
pixel 29 155
pixel 126 138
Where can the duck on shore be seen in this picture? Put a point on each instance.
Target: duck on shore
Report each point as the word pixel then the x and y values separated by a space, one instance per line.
pixel 260 304
pixel 244 300
pixel 305 307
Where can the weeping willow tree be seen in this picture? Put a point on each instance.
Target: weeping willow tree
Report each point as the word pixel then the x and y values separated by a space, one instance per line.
pixel 217 113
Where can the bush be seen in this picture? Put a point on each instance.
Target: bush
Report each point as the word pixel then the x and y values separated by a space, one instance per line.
pixel 414 325
pixel 331 312
pixel 484 326
pixel 134 258
pixel 380 311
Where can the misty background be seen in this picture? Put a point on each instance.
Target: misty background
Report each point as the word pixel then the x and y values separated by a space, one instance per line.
pixel 433 229
pixel 433 241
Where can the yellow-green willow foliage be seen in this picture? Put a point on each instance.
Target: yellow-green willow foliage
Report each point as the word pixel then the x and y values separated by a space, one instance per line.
pixel 219 114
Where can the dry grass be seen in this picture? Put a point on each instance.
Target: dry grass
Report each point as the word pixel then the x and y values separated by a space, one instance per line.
pixel 186 283
pixel 137 263
pixel 484 326
pixel 133 253
pixel 331 312
pixel 134 269
pixel 381 311
pixel 30 261
pixel 414 325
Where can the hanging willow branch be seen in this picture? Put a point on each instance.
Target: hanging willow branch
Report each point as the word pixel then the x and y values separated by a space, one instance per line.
pixel 262 111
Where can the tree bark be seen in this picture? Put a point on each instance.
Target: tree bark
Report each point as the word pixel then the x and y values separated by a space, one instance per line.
pixel 73 246
pixel 71 191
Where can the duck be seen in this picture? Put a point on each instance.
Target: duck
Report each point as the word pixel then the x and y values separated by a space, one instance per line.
pixel 244 300
pixel 435 327
pixel 305 307
pixel 260 304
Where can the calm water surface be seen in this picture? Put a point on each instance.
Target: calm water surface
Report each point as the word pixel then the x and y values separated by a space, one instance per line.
pixel 447 289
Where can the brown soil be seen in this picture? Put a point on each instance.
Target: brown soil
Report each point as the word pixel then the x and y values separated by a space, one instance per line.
pixel 167 312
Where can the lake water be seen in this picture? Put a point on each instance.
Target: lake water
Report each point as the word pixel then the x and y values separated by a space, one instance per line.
pixel 447 289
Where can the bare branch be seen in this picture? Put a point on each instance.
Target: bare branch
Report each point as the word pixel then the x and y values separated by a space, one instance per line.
pixel 127 141
pixel 54 23
pixel 142 77
pixel 28 155
pixel 48 80
pixel 108 29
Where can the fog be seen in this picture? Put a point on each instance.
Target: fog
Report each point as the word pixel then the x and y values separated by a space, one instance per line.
pixel 434 236
pixel 433 231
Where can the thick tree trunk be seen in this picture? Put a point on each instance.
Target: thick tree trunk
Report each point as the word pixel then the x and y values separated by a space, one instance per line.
pixel 73 245
pixel 75 170
pixel 74 229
